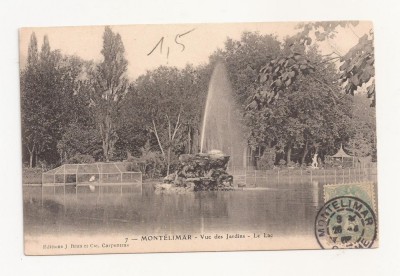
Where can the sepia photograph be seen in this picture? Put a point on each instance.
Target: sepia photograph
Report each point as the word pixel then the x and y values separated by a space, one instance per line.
pixel 198 137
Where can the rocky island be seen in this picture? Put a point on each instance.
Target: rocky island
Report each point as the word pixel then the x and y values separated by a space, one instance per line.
pixel 199 172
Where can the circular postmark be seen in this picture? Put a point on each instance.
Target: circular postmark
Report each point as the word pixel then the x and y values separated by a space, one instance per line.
pixel 345 222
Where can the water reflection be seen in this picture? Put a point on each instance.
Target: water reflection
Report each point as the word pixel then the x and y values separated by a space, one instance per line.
pixel 287 209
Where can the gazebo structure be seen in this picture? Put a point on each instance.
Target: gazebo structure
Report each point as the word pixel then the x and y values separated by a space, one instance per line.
pixel 342 158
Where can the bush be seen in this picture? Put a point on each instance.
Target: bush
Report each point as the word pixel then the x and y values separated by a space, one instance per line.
pixel 267 160
pixel 81 158
pixel 282 162
pixel 132 166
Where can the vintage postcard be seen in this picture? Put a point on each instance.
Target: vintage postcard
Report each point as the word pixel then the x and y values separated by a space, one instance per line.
pixel 198 137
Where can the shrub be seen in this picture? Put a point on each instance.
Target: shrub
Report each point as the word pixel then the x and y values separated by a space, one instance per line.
pixel 132 167
pixel 81 158
pixel 267 160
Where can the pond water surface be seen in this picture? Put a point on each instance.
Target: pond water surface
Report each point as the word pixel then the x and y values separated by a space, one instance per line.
pixel 284 209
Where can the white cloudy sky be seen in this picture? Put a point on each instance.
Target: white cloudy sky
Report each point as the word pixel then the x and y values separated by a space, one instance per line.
pixel 139 40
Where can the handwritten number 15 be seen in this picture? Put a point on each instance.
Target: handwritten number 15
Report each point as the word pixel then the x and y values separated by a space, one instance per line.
pixel 177 37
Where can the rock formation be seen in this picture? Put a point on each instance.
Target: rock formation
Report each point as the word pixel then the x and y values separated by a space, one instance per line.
pixel 200 172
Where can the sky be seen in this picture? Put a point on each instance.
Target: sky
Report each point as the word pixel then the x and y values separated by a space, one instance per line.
pixel 194 42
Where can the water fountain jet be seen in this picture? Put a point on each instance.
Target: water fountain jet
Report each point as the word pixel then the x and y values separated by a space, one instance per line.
pixel 222 143
pixel 222 128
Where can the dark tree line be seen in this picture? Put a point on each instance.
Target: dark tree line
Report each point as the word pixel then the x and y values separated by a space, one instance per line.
pixel 291 96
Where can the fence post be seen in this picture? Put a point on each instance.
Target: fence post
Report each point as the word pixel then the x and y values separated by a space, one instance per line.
pixel 357 173
pixel 335 175
pixel 54 184
pixel 353 176
pixel 76 185
pixel 266 177
pixel 349 175
pixel 42 188
pixel 343 174
pixel 255 178
pixel 245 176
pixel 301 175
pixel 141 183
pixel 369 174
pixel 311 175
pixel 278 176
pixel 65 180
pixel 324 177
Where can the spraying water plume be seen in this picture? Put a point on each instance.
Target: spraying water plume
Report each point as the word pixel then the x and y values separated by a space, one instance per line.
pixel 222 128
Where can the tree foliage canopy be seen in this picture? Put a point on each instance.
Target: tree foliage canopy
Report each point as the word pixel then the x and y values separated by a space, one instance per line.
pixel 294 101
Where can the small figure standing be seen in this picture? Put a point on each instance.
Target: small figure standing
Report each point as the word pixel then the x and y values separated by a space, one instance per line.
pixel 314 163
pixel 92 187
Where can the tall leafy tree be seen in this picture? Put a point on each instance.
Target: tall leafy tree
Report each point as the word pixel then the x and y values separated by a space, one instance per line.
pixel 244 59
pixel 297 105
pixel 80 135
pixel 163 108
pixel 357 65
pixel 356 69
pixel 109 86
pixel 161 96
pixel 49 100
pixel 32 130
pixel 194 82
pixel 362 133
pixel 40 100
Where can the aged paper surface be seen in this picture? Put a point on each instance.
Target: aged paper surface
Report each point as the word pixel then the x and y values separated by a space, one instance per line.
pixel 198 137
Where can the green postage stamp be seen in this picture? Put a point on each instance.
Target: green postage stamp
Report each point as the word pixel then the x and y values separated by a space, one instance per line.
pixel 348 218
pixel 364 191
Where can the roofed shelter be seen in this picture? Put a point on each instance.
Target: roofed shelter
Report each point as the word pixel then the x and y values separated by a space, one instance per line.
pixel 342 157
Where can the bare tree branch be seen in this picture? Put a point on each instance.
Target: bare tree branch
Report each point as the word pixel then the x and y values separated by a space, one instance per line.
pixel 158 139
pixel 177 125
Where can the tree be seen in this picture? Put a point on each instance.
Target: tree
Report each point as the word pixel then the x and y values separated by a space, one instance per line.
pixel 281 74
pixel 50 101
pixel 307 113
pixel 109 86
pixel 164 108
pixel 33 53
pixel 38 102
pixel 30 129
pixel 133 131
pixel 161 99
pixel 244 59
pixel 357 65
pixel 362 140
pixel 194 82
pixel 356 69
pixel 80 140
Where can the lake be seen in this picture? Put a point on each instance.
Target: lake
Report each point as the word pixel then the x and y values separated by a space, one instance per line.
pixel 284 209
